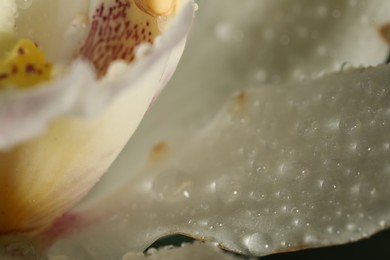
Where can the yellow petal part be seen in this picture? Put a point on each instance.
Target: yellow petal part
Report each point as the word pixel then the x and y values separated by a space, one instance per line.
pixel 161 7
pixel 22 63
pixel 44 177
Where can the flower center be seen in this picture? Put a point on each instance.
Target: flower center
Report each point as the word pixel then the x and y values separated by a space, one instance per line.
pixel 22 63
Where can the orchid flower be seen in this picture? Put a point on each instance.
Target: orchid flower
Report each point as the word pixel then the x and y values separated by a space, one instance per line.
pixel 280 141
pixel 76 78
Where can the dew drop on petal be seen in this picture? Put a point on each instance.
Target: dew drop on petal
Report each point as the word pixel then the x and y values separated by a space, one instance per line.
pixel 349 125
pixel 382 223
pixel 259 243
pixel 228 189
pixel 226 32
pixel 172 186
pixel 310 239
pixel 78 23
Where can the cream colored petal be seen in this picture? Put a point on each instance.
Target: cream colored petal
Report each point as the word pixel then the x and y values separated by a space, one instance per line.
pixel 277 169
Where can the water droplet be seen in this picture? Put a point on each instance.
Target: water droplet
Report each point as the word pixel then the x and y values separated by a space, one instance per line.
pixel 364 148
pixel 226 32
pixel 259 75
pixel 382 223
pixel 308 128
pixel 151 251
pixel 228 189
pixel 330 230
pixel 349 125
pixel 259 244
pixel 294 169
pixel 355 189
pixel 320 183
pixel 296 222
pixel 196 7
pixel 260 167
pixel 23 4
pixel 329 96
pixel 351 226
pixel 310 239
pixel 257 195
pixel 322 10
pixel 172 186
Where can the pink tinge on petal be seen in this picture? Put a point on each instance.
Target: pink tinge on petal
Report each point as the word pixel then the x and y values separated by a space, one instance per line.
pixel 61 227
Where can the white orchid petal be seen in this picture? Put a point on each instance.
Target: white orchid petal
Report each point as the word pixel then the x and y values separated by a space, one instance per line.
pixel 304 165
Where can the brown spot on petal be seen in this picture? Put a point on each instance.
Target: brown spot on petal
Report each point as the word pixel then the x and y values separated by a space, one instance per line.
pixel 159 151
pixel 3 76
pixel 384 32
pixel 241 101
pixel 21 51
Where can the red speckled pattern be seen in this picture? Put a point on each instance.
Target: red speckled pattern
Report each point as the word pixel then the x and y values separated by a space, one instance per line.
pixel 116 29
